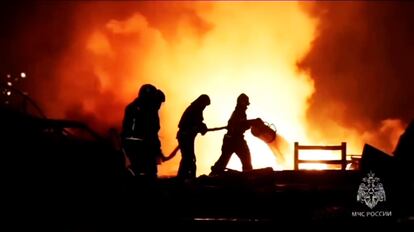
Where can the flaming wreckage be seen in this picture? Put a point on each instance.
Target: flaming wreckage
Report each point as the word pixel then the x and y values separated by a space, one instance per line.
pixel 62 171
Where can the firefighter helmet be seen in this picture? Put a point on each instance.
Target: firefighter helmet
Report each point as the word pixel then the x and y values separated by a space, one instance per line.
pixel 147 91
pixel 243 99
pixel 204 99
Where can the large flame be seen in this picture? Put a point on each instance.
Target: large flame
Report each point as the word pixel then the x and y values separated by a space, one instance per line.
pixel 218 48
pixel 250 48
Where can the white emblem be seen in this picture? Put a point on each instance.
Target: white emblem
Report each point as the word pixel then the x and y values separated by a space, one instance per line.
pixel 371 191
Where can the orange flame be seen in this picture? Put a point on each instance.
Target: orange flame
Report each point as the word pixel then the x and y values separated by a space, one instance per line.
pixel 250 48
pixel 221 49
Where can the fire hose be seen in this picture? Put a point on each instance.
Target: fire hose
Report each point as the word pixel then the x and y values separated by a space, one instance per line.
pixel 174 152
pixel 264 131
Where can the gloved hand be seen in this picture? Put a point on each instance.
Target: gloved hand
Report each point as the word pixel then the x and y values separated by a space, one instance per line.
pixel 256 122
pixel 160 158
pixel 203 128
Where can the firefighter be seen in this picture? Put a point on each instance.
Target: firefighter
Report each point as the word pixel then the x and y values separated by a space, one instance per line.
pixel 191 123
pixel 140 128
pixel 233 141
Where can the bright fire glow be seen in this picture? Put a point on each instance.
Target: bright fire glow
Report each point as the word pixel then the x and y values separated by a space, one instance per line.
pixel 316 166
pixel 319 155
pixel 221 49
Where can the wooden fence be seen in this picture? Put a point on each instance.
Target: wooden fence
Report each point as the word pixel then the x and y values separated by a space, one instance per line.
pixel 343 162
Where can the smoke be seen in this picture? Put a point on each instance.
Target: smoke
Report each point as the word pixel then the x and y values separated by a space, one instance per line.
pixel 336 71
pixel 92 58
pixel 361 63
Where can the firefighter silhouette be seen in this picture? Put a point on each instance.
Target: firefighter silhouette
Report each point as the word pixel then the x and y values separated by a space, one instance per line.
pixel 191 123
pixel 140 128
pixel 233 141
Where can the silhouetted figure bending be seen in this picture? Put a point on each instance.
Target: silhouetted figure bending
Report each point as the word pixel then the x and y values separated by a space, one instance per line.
pixel 191 123
pixel 233 141
pixel 140 128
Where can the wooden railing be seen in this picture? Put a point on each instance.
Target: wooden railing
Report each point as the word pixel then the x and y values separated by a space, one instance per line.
pixel 343 162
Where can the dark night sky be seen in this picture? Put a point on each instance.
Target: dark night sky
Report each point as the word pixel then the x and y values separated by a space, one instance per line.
pixel 32 40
